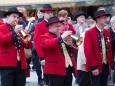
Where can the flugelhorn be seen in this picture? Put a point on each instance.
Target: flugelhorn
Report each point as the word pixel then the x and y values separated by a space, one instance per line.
pixel 25 36
pixel 77 39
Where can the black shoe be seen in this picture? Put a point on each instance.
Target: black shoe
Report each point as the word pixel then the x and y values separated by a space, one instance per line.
pixel 76 80
pixel 46 83
pixel 33 68
pixel 40 82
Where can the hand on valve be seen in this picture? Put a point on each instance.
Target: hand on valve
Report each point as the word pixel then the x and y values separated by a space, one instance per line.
pixel 18 28
pixel 66 34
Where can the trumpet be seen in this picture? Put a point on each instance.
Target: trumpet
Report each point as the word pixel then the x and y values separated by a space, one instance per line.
pixel 25 36
pixel 78 40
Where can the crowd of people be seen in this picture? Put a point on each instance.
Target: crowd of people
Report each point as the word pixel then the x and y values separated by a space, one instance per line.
pixel 58 48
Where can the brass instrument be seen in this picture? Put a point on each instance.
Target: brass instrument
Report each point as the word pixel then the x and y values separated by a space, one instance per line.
pixel 25 36
pixel 77 39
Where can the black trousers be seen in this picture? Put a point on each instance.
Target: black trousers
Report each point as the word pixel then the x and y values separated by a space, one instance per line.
pixel 13 76
pixel 83 78
pixel 101 79
pixel 59 80
pixel 37 65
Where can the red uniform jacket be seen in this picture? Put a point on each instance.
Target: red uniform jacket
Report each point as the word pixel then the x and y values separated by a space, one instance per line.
pixel 93 49
pixel 53 54
pixel 8 50
pixel 40 29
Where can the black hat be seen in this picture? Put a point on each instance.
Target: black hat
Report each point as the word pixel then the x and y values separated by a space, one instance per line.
pixel 47 7
pixel 13 10
pixel 100 13
pixel 80 13
pixel 52 20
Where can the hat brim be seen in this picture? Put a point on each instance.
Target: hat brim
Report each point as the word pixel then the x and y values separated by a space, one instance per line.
pixel 55 21
pixel 101 16
pixel 47 9
pixel 8 13
pixel 76 16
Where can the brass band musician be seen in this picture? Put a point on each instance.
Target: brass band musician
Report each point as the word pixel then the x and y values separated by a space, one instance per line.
pixel 12 57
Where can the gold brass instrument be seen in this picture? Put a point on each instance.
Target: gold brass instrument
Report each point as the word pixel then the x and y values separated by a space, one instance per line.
pixel 26 37
pixel 78 40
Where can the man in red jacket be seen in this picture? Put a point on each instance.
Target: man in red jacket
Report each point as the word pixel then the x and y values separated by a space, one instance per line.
pixel 59 56
pixel 97 49
pixel 12 57
pixel 41 29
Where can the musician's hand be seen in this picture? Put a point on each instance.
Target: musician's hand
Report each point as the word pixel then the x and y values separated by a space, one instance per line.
pixel 95 72
pixel 66 34
pixel 26 31
pixel 42 62
pixel 69 20
pixel 18 28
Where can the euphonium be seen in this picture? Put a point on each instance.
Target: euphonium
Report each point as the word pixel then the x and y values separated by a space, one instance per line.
pixel 77 39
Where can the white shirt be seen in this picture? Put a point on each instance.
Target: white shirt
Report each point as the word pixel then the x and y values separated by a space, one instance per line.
pixel 80 30
pixel 81 59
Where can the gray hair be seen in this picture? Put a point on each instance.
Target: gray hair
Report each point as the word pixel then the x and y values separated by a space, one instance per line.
pixel 112 20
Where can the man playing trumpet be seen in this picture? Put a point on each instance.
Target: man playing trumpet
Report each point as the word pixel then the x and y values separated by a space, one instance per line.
pixel 59 56
pixel 12 56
